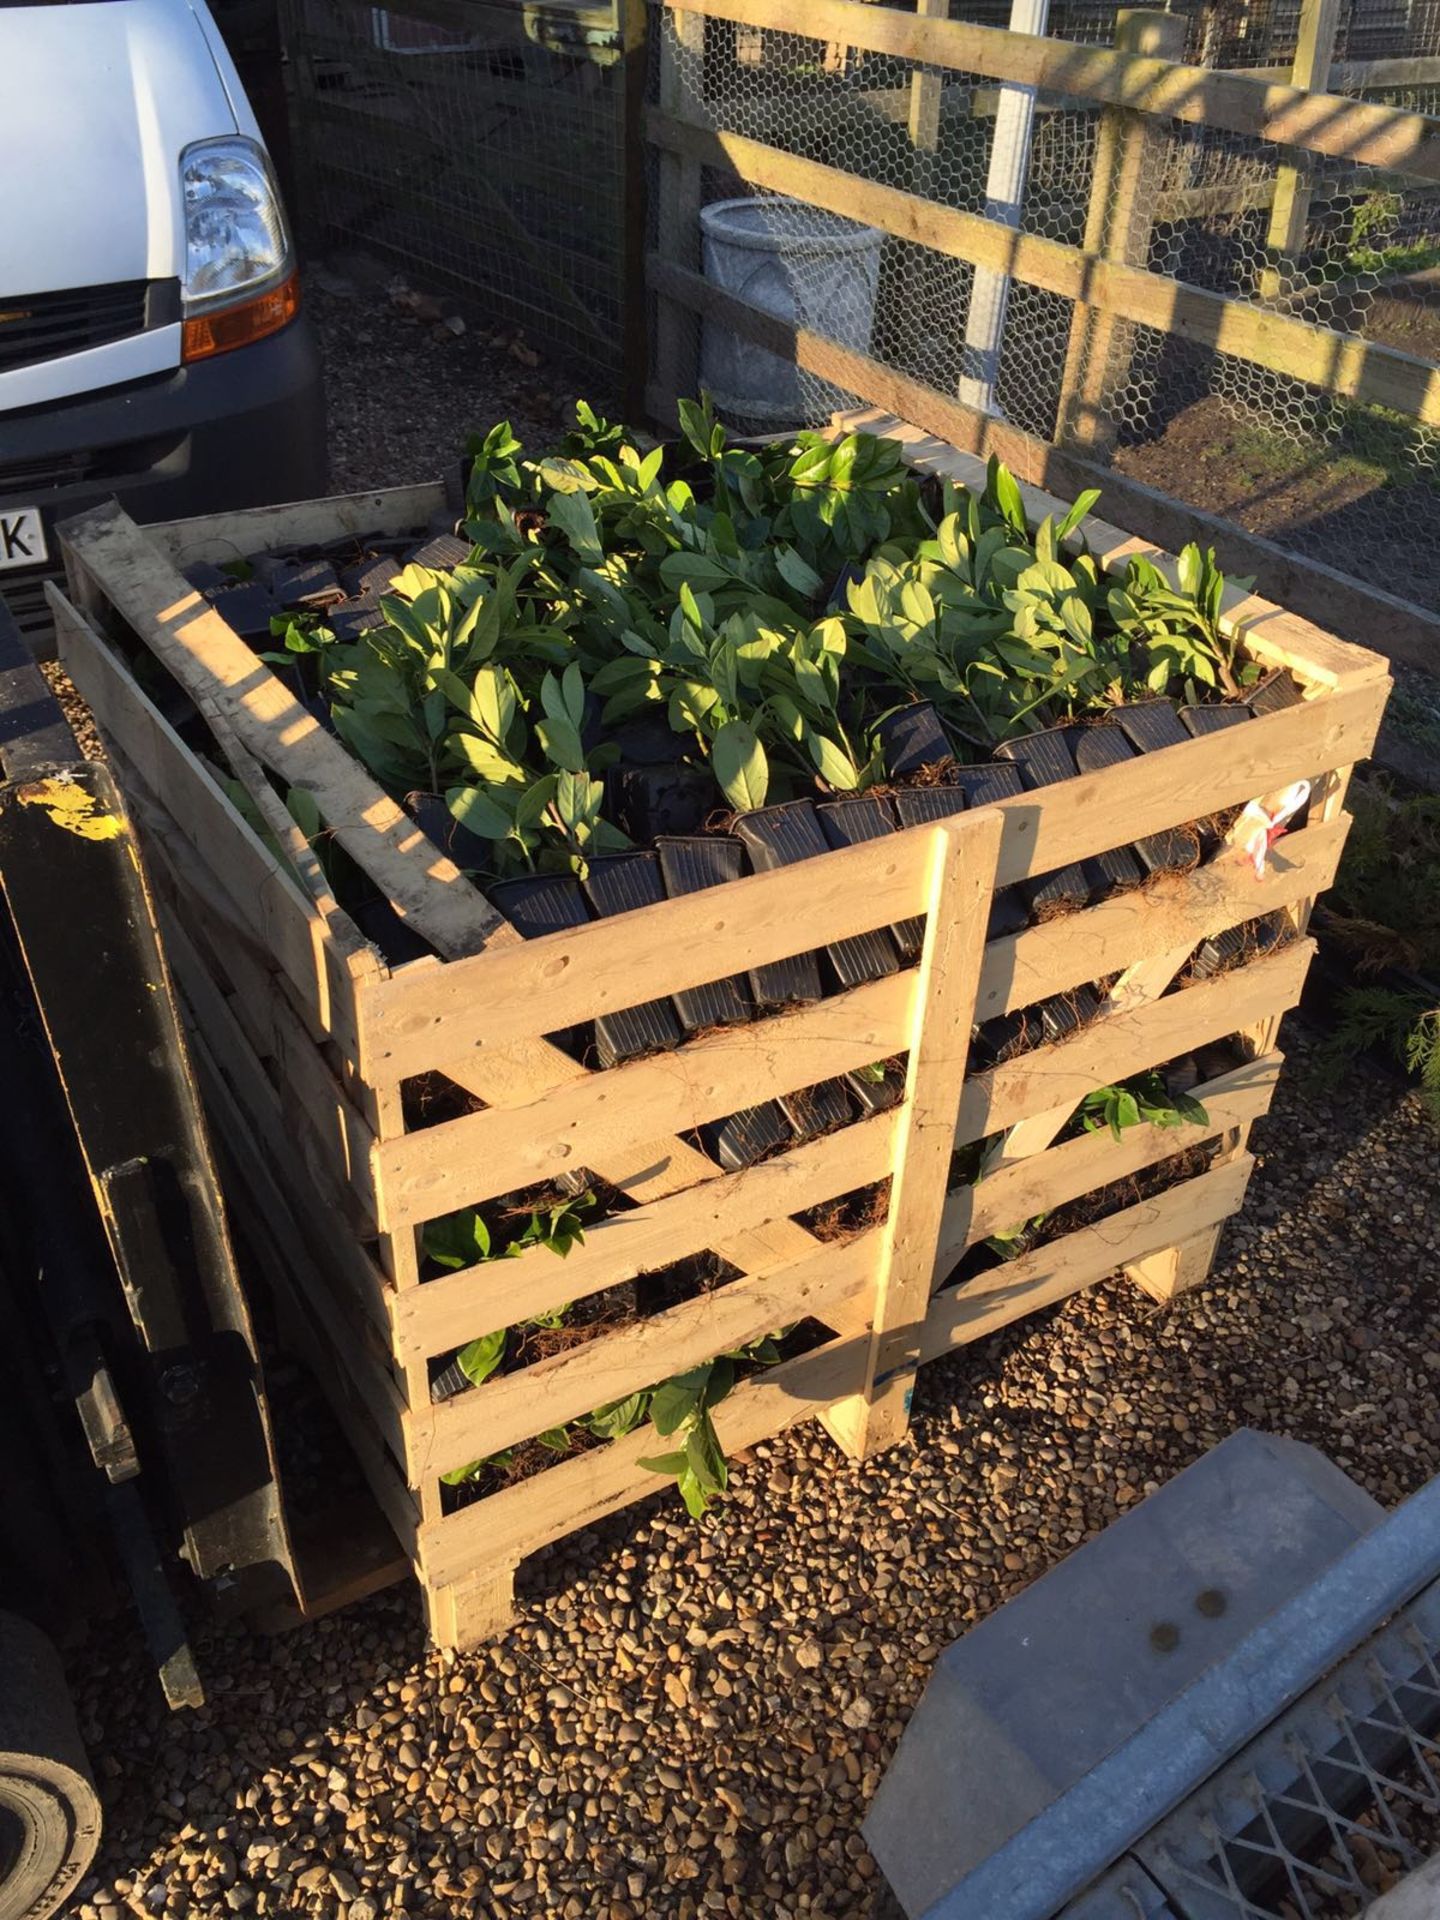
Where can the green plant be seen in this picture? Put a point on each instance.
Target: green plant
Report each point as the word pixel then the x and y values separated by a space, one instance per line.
pixel 682 1409
pixel 1403 1023
pixel 1142 1100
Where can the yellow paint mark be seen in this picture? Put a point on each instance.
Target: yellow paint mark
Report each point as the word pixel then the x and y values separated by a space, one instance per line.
pixel 72 808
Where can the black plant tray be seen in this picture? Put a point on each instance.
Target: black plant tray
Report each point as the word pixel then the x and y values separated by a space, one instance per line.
pixel 1176 850
pixel 1066 1013
pixel 690 865
pixel 877 1096
pixel 1237 945
pixel 367 579
pixel 348 619
pixel 648 802
pixel 449 1383
pixel 1003 1038
pixel 923 806
pixel 1044 759
pixel 846 823
pixel 306 585
pixel 818 1109
pixel 1199 721
pixel 618 883
pixel 781 836
pixel 539 903
pixel 912 738
pixel 382 925
pixel 746 1137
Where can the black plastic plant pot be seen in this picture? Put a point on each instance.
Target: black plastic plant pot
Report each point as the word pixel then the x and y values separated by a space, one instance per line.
pixel 371 577
pixel 984 785
pixel 646 741
pixel 923 806
pixel 1219 953
pixel 746 1137
pixel 247 609
pixel 1150 725
pixel 1044 760
pixel 1066 1013
pixel 1199 721
pixel 1275 692
pixel 382 925
pixel 781 837
pixel 912 738
pixel 449 1383
pixel 208 579
pixel 539 903
pixel 306 585
pixel 818 1109
pixel 867 816
pixel 618 883
pixel 1173 851
pixel 443 830
pixel 691 865
pixel 348 619
pixel 442 553
pixel 877 1092
pixel 646 802
pixel 1002 1039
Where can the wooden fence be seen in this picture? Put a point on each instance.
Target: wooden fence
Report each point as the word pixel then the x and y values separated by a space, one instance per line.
pixel 1105 278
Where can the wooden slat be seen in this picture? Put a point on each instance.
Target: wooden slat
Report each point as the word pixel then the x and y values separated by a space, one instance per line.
pixel 686 941
pixel 1098 1056
pixel 576 1493
pixel 1049 1180
pixel 324 966
pixel 423 1175
pixel 218 537
pixel 962 860
pixel 436 1017
pixel 456 1307
pixel 513 1407
pixel 1342 364
pixel 1052 1273
pixel 221 673
pixel 1202 96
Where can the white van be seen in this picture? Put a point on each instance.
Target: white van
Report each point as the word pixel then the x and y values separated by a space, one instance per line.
pixel 151 342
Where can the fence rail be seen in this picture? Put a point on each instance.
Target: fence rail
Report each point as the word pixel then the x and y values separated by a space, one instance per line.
pixel 1169 176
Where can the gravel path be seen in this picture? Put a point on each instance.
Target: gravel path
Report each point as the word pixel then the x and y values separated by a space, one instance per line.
pixel 691 1720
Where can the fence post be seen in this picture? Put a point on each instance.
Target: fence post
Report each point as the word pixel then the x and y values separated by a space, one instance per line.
pixel 962 880
pixel 1290 210
pixel 1128 152
pixel 677 211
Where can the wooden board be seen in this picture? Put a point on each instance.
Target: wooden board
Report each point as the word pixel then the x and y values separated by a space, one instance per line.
pixel 1343 364
pixel 1202 96
pixel 218 537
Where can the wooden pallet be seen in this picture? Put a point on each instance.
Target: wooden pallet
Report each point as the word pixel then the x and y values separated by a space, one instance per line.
pixel 306 1038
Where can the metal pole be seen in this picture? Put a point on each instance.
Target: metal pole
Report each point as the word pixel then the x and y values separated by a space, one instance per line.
pixel 1004 198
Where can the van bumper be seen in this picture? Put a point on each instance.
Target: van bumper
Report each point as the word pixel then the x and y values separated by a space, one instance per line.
pixel 242 429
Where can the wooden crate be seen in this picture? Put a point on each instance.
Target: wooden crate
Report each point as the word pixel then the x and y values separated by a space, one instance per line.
pixel 306 1039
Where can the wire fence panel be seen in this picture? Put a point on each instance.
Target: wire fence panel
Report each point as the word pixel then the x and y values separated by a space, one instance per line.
pixel 477 146
pixel 1306 238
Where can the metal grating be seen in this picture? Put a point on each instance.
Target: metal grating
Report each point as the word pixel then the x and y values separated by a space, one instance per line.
pixel 1341 1791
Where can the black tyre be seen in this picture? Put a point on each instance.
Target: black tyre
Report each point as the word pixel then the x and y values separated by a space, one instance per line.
pixel 49 1811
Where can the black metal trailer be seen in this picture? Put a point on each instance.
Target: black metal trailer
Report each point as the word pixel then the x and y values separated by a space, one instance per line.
pixel 133 1420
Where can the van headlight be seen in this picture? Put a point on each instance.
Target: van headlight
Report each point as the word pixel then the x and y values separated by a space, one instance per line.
pixel 239 282
pixel 235 238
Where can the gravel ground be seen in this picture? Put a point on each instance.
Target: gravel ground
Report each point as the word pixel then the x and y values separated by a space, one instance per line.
pixel 691 1720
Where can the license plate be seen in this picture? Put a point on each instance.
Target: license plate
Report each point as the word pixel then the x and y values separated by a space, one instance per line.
pixel 22 538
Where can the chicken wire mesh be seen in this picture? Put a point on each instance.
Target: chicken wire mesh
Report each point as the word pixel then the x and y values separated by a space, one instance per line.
pixel 1356 486
pixel 475 145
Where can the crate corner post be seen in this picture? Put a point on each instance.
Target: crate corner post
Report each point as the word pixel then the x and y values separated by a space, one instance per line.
pixel 961 880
